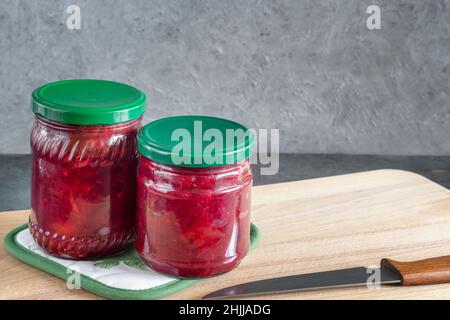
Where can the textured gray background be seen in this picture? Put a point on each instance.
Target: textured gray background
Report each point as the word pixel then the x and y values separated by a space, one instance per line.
pixel 310 68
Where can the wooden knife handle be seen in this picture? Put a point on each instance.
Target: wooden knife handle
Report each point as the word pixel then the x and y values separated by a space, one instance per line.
pixel 421 272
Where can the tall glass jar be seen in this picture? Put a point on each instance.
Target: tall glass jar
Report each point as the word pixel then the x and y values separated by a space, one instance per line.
pixel 193 216
pixel 84 160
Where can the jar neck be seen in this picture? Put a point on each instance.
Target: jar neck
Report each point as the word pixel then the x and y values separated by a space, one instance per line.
pixel 181 181
pixel 111 128
pixel 243 165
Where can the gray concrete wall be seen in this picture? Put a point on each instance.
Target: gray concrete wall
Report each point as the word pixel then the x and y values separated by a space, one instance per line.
pixel 310 68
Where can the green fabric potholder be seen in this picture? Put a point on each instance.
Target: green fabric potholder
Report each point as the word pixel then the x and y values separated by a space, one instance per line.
pixel 124 276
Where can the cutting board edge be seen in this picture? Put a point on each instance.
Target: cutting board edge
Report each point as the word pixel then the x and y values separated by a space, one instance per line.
pixel 385 170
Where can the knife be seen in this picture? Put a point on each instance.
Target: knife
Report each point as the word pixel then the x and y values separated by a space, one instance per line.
pixel 421 272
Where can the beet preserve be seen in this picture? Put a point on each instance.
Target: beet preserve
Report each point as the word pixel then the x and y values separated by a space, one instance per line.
pixel 84 160
pixel 193 218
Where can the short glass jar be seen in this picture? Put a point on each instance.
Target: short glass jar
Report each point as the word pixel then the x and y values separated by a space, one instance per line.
pixel 84 160
pixel 193 218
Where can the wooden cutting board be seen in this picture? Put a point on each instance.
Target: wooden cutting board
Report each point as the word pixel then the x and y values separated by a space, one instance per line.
pixel 306 226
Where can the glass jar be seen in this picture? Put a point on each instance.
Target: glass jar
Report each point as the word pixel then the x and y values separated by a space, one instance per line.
pixel 84 161
pixel 193 218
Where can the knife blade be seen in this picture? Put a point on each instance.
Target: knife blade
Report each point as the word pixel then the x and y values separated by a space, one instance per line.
pixel 311 281
pixel 421 272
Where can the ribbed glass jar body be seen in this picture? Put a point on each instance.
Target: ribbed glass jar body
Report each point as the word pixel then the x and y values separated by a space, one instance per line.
pixel 193 222
pixel 83 187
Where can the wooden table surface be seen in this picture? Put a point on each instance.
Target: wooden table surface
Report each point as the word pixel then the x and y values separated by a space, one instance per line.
pixel 306 226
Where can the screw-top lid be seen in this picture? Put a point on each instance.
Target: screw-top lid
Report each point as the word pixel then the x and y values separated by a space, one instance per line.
pixel 195 141
pixel 88 102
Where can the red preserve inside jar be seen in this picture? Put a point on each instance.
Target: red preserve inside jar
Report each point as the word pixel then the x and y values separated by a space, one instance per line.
pixel 83 184
pixel 192 221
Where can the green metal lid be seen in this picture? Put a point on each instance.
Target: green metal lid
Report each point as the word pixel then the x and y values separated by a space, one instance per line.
pixel 195 141
pixel 88 102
